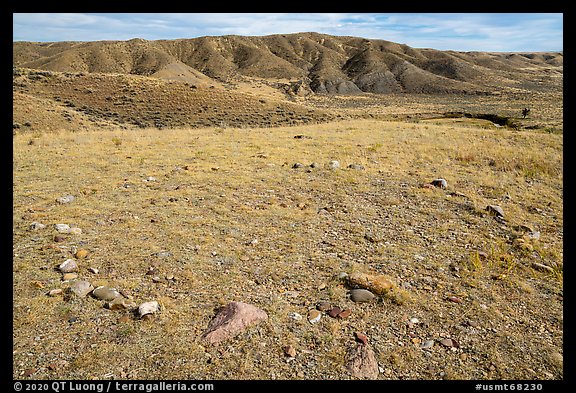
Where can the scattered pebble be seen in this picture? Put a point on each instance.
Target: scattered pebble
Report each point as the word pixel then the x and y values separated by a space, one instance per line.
pixel 314 316
pixel 334 311
pixel 69 276
pixel 356 167
pixel 427 344
pixel 323 306
pixel 345 313
pixel 81 253
pixel 361 337
pixel 298 165
pixel 55 292
pixel 295 316
pixel 290 351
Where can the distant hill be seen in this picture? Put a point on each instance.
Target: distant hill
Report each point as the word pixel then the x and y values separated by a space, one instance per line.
pixel 310 62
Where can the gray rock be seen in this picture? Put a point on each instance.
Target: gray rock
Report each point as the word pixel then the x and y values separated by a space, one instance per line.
pixel 356 167
pixel 334 165
pixel 105 293
pixel 298 165
pixel 427 344
pixel 65 199
pixel 62 228
pixel 81 288
pixel 232 320
pixel 68 266
pixel 36 225
pixel 361 295
pixel 495 210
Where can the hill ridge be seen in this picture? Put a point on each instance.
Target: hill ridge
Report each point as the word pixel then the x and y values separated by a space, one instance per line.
pixel 323 63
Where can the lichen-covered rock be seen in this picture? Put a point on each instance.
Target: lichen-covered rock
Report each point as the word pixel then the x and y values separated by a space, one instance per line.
pixel 377 284
pixel 232 320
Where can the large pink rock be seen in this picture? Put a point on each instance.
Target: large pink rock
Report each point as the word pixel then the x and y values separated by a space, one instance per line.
pixel 232 320
pixel 361 361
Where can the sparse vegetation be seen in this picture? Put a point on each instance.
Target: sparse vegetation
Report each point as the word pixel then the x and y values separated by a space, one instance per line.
pixel 186 193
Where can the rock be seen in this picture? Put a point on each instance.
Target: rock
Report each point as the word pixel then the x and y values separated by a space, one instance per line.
pixel 377 284
pixel 124 318
pixel 440 183
pixel 427 344
pixel 414 321
pixel 361 295
pixel 344 314
pixel 81 253
pixel 148 308
pixel 62 228
pixel 68 266
pixel 334 311
pixel 334 165
pixel 59 238
pixel 314 165
pixel 314 316
pixel 323 306
pixel 447 342
pixel 80 288
pixel 119 303
pixel 454 299
pixel 295 316
pixel 361 337
pixel 361 362
pixel 232 320
pixel 290 351
pixel 356 167
pixel 65 199
pixel 93 270
pixel 75 231
pixel 55 292
pixel 541 267
pixel 69 276
pixel 105 293
pixel 298 165
pixel 36 226
pixel 495 210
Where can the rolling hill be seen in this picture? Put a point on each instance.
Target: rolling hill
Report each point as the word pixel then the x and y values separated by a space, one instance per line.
pixel 311 62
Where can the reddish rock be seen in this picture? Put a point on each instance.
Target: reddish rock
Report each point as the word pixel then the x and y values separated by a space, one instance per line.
pixel 361 337
pixel 334 311
pixel 232 320
pixel 345 314
pixel 361 362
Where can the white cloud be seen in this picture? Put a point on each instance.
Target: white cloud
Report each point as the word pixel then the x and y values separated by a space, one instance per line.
pixel 483 32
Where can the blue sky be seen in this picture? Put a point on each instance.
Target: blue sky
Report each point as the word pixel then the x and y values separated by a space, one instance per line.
pixel 501 32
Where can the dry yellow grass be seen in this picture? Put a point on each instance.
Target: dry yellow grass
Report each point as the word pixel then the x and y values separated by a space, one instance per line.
pixel 241 224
